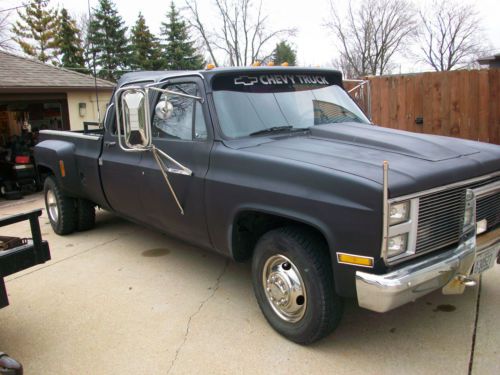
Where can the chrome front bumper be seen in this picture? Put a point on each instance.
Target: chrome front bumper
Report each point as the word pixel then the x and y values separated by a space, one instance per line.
pixel 382 293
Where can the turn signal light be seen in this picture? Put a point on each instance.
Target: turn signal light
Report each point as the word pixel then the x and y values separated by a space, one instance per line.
pixel 62 169
pixel 355 260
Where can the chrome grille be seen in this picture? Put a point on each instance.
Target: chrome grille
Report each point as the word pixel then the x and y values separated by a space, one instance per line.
pixel 440 219
pixel 489 208
pixel 441 214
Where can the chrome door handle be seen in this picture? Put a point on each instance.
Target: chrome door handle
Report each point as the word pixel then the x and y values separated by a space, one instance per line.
pixel 179 171
pixel 109 144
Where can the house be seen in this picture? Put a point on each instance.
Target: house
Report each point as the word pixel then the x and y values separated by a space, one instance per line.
pixel 491 61
pixel 35 96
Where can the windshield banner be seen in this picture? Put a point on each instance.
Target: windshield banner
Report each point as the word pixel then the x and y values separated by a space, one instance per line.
pixel 272 82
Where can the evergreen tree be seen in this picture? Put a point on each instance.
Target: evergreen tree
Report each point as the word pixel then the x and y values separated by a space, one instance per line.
pixel 69 42
pixel 36 30
pixel 145 49
pixel 180 52
pixel 108 41
pixel 284 53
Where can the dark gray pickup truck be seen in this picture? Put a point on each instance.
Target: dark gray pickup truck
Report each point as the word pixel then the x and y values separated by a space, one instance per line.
pixel 280 166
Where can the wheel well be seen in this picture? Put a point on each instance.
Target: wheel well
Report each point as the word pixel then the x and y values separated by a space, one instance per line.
pixel 249 226
pixel 44 171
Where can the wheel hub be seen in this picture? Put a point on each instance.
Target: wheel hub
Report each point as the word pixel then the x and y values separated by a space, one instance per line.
pixel 52 208
pixel 285 290
pixel 278 289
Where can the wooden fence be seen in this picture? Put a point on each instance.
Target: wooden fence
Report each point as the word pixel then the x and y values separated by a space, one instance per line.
pixel 463 103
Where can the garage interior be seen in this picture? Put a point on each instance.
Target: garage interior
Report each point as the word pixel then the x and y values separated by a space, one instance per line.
pixel 22 116
pixel 35 96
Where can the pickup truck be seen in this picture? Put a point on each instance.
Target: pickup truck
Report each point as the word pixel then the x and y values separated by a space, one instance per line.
pixel 280 166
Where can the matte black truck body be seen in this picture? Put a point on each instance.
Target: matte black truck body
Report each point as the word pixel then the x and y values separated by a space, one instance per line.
pixel 329 177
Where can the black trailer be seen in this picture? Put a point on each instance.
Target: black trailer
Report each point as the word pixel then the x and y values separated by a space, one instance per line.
pixel 17 254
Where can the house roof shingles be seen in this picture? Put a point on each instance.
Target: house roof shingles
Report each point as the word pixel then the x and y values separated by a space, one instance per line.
pixel 22 72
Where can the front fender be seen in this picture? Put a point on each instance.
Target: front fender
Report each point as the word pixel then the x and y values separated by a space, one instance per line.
pixel 344 275
pixel 285 213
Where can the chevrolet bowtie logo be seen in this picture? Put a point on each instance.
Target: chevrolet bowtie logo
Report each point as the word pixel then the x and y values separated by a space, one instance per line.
pixel 245 80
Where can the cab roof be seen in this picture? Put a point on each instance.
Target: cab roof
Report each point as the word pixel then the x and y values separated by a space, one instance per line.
pixel 158 76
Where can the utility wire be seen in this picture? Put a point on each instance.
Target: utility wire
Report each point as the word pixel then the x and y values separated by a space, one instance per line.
pixel 93 68
pixel 104 69
pixel 21 6
pixel 490 50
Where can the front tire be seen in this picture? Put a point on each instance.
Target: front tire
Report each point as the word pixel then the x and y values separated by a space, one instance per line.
pixel 61 209
pixel 293 283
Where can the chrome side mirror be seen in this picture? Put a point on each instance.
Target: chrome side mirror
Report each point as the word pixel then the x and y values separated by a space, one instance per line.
pixel 133 120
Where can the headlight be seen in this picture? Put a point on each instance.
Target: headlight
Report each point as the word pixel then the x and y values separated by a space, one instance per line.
pixel 397 244
pixel 399 212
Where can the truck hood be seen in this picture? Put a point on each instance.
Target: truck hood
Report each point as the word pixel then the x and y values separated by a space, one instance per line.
pixel 416 161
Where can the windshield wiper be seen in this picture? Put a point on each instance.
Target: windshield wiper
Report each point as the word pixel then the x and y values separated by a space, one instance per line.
pixel 272 129
pixel 276 129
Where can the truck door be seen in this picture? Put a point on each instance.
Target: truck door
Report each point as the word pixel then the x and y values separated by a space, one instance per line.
pixel 120 172
pixel 186 135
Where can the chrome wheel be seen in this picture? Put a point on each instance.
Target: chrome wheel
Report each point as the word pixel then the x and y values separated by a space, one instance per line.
pixel 284 288
pixel 52 207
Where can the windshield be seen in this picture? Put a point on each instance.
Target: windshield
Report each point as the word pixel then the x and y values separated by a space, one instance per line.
pixel 253 105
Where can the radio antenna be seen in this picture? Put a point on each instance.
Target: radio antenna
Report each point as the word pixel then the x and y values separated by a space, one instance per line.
pixel 93 66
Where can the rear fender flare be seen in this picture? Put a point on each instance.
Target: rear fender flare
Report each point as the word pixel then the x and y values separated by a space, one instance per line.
pixel 59 157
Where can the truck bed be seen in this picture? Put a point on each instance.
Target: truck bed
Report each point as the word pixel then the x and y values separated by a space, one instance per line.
pixel 77 154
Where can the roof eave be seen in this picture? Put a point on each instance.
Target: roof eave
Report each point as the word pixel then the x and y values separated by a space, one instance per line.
pixel 17 89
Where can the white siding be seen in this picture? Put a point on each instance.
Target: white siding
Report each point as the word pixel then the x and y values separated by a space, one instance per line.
pixel 89 98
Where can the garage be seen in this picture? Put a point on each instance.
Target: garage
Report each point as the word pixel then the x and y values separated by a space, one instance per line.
pixel 36 96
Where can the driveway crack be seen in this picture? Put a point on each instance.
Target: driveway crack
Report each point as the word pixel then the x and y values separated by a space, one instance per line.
pixel 214 288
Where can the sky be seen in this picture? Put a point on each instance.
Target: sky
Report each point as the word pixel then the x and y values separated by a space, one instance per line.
pixel 315 45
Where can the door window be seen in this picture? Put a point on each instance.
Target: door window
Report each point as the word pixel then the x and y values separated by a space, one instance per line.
pixel 184 119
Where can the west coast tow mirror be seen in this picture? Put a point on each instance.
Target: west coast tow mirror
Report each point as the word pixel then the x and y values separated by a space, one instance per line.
pixel 134 106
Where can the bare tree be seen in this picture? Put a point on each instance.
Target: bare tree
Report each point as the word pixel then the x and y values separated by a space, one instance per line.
pixel 347 67
pixel 5 37
pixel 83 22
pixel 243 33
pixel 371 33
pixel 451 35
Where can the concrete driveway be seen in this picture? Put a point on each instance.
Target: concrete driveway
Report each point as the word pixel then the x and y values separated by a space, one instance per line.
pixel 122 299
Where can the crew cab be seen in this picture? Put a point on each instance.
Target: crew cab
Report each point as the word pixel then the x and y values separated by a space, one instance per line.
pixel 280 166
